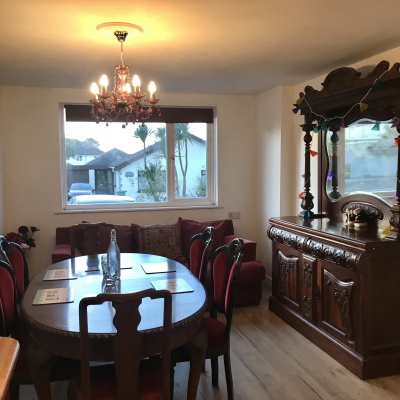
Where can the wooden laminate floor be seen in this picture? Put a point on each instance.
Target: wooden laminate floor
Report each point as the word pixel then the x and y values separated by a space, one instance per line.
pixel 271 361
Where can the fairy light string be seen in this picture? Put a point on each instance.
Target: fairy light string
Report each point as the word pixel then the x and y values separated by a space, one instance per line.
pixel 363 106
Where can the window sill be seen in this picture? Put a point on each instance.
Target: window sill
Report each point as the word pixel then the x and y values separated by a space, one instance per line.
pixel 106 210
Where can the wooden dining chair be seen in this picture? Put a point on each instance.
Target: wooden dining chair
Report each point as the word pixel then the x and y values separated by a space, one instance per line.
pixel 225 266
pixel 130 377
pixel 15 257
pixel 86 237
pixel 11 324
pixel 199 252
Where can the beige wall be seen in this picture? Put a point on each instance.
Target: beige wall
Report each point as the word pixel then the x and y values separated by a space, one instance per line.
pixel 276 155
pixel 31 165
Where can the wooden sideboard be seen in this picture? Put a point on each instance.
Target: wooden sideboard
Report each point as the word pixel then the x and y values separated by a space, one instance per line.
pixel 340 288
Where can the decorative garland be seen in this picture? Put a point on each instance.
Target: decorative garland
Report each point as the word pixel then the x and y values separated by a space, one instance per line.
pixel 362 104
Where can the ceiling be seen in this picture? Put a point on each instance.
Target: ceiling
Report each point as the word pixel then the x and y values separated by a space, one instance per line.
pixel 188 46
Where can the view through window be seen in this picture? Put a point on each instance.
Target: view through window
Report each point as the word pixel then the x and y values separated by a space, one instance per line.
pixel 129 166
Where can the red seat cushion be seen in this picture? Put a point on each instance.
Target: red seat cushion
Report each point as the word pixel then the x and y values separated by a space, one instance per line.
pixel 216 333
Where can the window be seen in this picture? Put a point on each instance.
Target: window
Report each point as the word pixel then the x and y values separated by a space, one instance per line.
pixel 166 162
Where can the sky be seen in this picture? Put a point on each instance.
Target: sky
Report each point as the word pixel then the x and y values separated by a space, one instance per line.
pixel 114 136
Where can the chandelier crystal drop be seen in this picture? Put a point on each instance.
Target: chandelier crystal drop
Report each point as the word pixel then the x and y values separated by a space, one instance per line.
pixel 126 102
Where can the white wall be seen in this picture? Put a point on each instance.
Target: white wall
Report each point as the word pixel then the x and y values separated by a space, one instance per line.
pixel 276 160
pixel 30 159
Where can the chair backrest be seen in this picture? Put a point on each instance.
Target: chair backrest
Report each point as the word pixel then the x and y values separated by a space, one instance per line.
pixel 15 256
pixel 7 299
pixel 127 348
pixel 225 266
pixel 199 252
pixel 86 237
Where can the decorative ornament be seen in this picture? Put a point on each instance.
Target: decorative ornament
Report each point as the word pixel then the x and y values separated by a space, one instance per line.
pixel 386 230
pixel 313 153
pixel 329 176
pixel 396 141
pixel 295 110
pixel 363 106
pixel 307 214
pixel 395 122
pixel 301 194
pixel 376 127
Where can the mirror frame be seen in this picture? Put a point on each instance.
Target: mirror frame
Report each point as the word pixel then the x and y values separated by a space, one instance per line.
pixel 336 105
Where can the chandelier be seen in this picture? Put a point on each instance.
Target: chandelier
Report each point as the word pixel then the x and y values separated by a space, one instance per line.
pixel 126 102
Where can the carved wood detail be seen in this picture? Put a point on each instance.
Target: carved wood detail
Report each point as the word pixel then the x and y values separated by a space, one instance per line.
pixel 342 293
pixel 286 264
pixel 307 285
pixel 341 257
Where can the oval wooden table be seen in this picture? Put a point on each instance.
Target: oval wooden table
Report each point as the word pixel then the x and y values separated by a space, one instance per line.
pixel 54 328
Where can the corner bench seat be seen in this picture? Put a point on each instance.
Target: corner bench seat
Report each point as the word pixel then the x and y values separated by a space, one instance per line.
pixel 252 272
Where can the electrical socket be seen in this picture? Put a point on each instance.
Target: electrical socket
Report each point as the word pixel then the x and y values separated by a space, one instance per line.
pixel 234 214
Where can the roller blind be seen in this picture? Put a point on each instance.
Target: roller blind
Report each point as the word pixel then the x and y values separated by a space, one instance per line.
pixel 81 113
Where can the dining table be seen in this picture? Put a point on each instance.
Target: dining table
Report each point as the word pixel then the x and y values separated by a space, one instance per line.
pixel 50 307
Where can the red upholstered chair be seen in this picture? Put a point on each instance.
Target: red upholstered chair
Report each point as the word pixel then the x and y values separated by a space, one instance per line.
pixel 129 377
pixel 16 258
pixel 199 252
pixel 225 266
pixel 10 324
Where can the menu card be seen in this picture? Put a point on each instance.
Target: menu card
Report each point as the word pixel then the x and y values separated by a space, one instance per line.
pixel 58 275
pixel 156 268
pixel 54 296
pixel 178 285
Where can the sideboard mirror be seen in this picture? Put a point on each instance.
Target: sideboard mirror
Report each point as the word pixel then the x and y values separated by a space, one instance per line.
pixel 357 119
pixel 366 161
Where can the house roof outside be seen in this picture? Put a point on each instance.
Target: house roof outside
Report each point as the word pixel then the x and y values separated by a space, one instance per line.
pixel 111 159
pixel 118 159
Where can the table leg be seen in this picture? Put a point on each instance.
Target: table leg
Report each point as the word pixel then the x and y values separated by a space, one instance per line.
pixel 196 348
pixel 40 365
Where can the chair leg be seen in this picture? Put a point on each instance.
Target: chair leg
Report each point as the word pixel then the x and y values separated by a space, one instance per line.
pixel 228 374
pixel 214 371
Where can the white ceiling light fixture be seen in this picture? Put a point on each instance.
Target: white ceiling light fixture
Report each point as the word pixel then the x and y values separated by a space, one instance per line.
pixel 126 101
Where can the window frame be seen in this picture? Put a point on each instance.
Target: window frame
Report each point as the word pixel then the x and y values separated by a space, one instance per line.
pixel 172 202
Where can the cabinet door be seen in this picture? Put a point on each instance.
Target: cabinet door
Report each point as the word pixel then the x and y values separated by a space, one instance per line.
pixel 337 293
pixel 288 288
pixel 308 287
